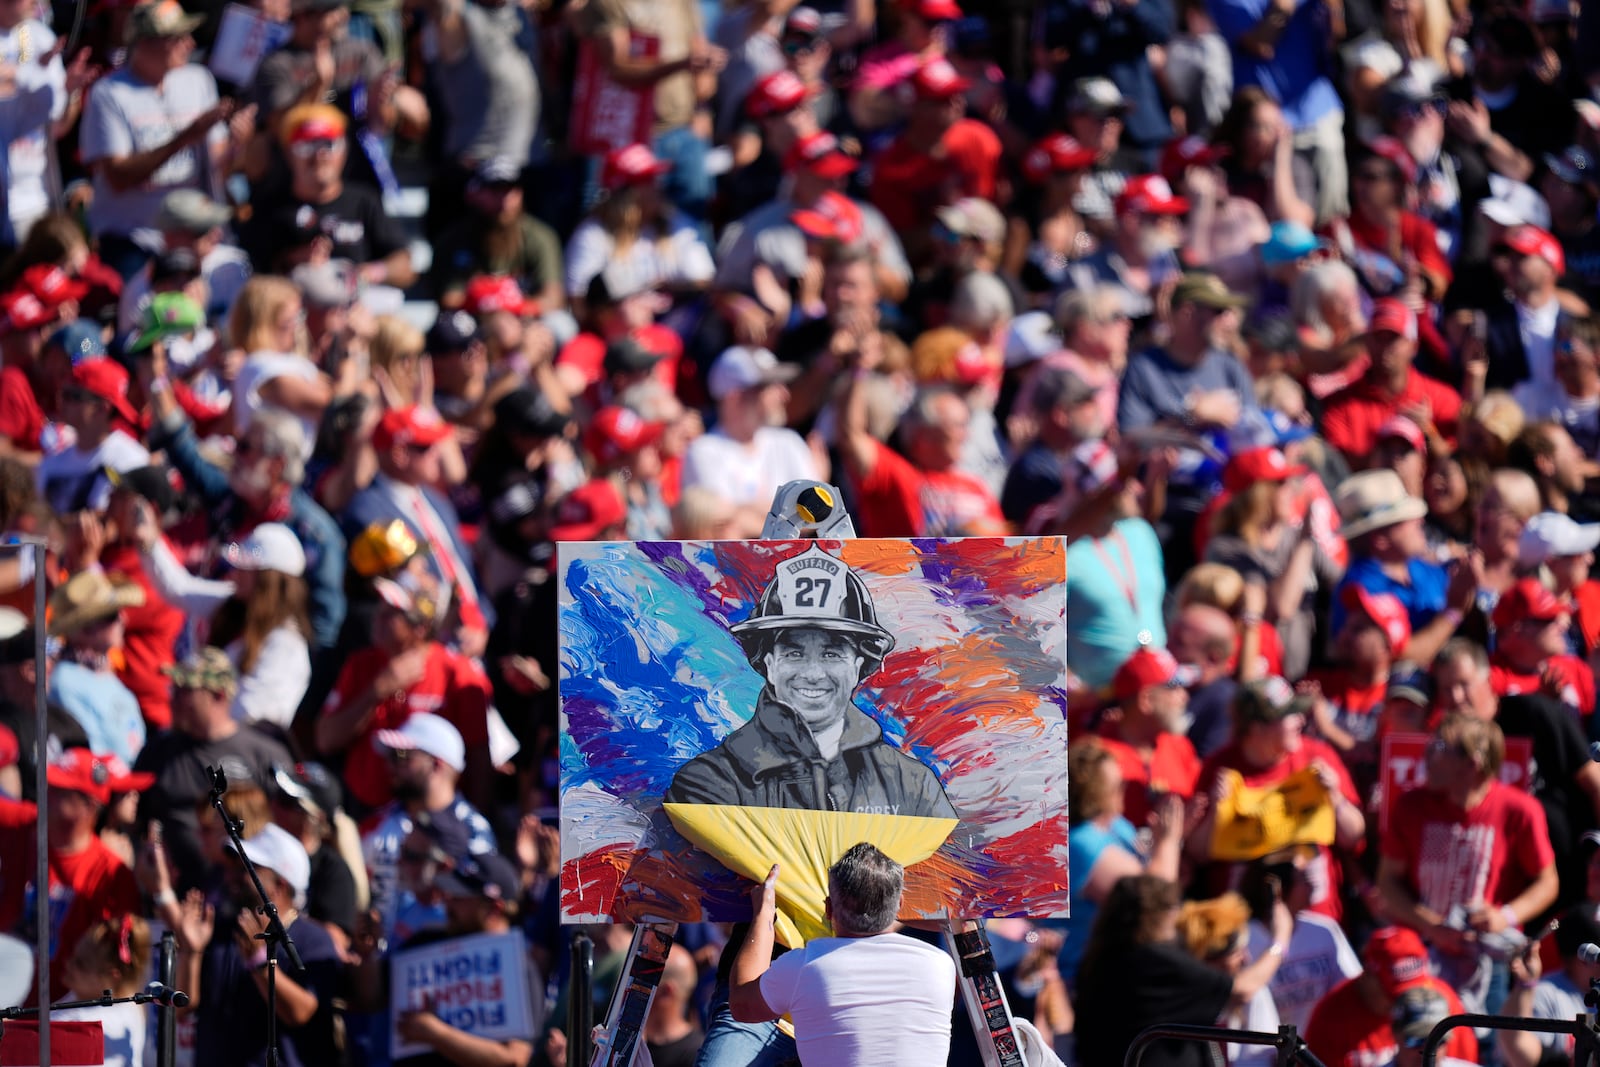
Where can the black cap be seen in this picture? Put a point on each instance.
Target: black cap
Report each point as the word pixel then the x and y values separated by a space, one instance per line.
pixel 627 356
pixel 527 411
pixel 489 876
pixel 180 263
pixel 452 331
pixel 1579 926
pixel 152 483
pixel 310 783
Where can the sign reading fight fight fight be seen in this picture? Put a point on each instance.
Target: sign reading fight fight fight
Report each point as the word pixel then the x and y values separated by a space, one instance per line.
pixel 476 984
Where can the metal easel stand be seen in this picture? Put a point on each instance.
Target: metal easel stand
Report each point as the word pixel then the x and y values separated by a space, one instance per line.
pixel 1291 1048
pixel 1582 1028
pixel 805 509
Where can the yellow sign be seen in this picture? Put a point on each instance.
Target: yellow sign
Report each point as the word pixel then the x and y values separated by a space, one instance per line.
pixel 1252 822
pixel 804 844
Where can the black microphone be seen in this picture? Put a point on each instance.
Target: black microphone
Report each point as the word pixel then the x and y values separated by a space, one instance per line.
pixel 1589 952
pixel 219 780
pixel 165 994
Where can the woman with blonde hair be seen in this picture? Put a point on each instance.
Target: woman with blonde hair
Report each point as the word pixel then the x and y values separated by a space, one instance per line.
pixel 258 617
pixel 1217 933
pixel 267 324
pixel 403 375
pixel 1489 426
pixel 1511 499
pixel 634 235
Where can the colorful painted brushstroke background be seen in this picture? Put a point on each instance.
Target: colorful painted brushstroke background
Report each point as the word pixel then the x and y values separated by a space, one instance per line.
pixel 975 688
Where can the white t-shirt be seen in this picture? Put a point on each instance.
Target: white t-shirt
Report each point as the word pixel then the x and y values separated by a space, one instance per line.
pixel 649 262
pixel 38 99
pixel 865 1001
pixel 72 479
pixel 748 474
pixel 1318 958
pixel 1547 401
pixel 1538 329
pixel 259 369
pixel 123 1026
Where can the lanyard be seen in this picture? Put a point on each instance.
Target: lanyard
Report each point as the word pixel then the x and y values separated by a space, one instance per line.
pixel 1128 580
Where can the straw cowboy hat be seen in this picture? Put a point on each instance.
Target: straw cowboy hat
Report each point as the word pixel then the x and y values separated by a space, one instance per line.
pixel 89 598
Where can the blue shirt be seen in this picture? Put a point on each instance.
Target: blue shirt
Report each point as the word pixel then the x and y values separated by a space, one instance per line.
pixel 1297 74
pixel 1423 597
pixel 103 706
pixel 1103 624
pixel 1085 844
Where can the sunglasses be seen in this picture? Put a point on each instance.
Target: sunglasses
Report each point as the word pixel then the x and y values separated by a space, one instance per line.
pixel 309 149
pixel 1438 105
pixel 800 46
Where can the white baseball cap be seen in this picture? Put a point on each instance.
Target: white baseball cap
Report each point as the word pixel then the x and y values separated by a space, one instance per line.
pixel 277 850
pixel 1552 535
pixel 1513 203
pixel 428 733
pixel 747 367
pixel 271 546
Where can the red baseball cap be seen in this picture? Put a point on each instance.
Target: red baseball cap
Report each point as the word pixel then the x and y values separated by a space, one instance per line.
pixel 1399 959
pixel 1532 241
pixel 1528 599
pixel 123 779
pixel 1186 152
pixel 409 426
pixel 1253 465
pixel 833 217
pixel 633 165
pixel 488 293
pixel 938 80
pixel 1056 154
pixel 618 431
pixel 1392 150
pixel 52 285
pixel 935 10
pixel 1392 316
pixel 775 94
pixel 80 771
pixel 1402 427
pixel 1149 667
pixel 588 511
pixel 819 153
pixel 1385 610
pixel 24 311
pixel 1150 194
pixel 108 380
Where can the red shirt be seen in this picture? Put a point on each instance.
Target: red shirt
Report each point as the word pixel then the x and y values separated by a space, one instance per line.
pixel 1487 855
pixel 907 185
pixel 21 420
pixel 1344 1032
pixel 1173 768
pixel 85 888
pixel 1352 417
pixel 1577 682
pixel 586 354
pixel 1324 874
pixel 17 837
pixel 1418 237
pixel 899 500
pixel 150 633
pixel 1357 709
pixel 451 687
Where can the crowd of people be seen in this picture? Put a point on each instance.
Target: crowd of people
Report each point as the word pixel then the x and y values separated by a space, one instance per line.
pixel 1278 312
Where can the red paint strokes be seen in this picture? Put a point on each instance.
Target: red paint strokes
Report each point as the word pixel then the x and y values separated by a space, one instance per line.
pixel 589 884
pixel 1024 873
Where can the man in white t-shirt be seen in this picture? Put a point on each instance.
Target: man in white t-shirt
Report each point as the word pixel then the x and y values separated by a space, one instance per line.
pixel 749 453
pixel 866 996
pixel 94 405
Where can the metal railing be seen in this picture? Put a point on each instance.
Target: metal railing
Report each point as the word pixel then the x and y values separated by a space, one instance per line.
pixel 1581 1028
pixel 1291 1049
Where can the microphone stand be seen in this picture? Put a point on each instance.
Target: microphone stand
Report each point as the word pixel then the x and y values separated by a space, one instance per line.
pixel 166 998
pixel 275 934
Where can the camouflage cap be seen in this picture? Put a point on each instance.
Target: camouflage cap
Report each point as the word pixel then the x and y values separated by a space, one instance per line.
pixel 208 669
pixel 160 18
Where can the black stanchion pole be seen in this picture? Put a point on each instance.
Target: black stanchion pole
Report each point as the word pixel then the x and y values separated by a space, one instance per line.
pixel 167 1037
pixel 580 1003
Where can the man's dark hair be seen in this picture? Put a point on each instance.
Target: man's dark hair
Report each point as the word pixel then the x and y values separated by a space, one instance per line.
pixel 1530 446
pixel 864 890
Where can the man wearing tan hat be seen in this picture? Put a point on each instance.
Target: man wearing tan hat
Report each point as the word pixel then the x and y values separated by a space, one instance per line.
pixel 86 613
pixel 1383 526
pixel 153 126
